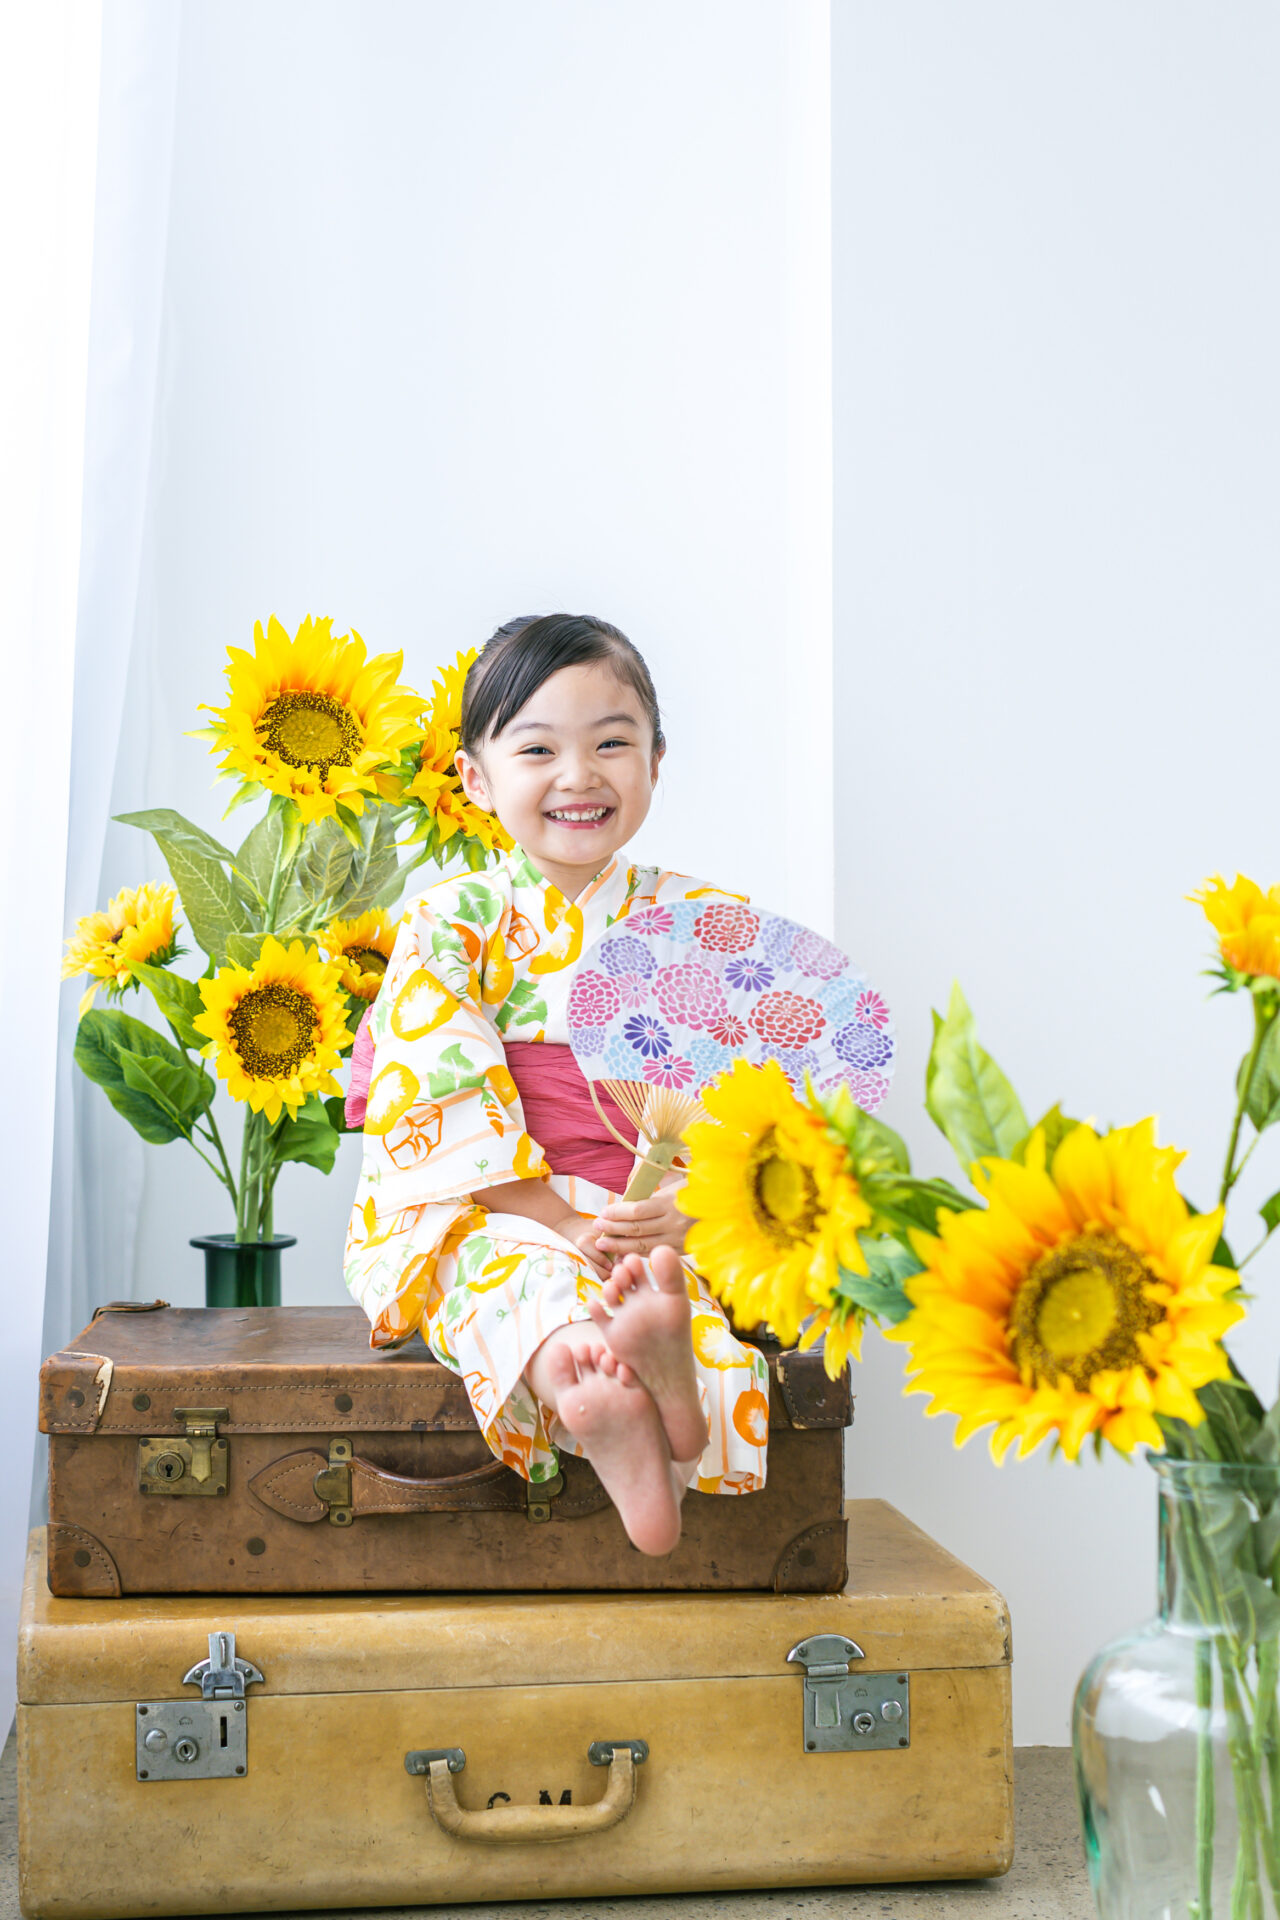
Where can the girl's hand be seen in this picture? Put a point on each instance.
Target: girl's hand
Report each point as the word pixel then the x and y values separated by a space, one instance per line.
pixel 583 1235
pixel 638 1226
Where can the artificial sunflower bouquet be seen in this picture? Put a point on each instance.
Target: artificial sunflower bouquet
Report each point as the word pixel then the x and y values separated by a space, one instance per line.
pixel 294 926
pixel 1069 1292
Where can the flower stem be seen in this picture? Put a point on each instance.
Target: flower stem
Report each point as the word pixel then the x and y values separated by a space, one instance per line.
pixel 1262 1019
pixel 1205 1809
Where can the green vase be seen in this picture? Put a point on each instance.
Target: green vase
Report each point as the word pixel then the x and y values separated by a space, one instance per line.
pixel 242 1273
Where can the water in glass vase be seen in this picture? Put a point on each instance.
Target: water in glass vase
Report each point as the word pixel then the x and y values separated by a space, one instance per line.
pixel 1177 1725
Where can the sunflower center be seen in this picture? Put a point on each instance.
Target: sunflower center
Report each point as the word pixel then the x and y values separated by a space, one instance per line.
pixel 274 1027
pixel 783 1194
pixel 310 730
pixel 1080 1310
pixel 368 959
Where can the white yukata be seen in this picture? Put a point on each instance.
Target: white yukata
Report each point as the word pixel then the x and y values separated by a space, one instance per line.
pixel 480 957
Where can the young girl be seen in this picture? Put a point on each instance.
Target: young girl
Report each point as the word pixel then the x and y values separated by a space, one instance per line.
pixel 487 1212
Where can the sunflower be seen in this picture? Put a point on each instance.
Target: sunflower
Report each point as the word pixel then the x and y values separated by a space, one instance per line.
pixel 137 926
pixel 313 719
pixel 1247 923
pixel 436 784
pixel 1082 1299
pixel 363 947
pixel 275 1030
pixel 776 1210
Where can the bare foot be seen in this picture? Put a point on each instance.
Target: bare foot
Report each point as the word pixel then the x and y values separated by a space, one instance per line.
pixel 647 1327
pixel 618 1429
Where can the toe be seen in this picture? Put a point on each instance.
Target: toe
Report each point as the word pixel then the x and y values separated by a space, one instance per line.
pixel 597 1307
pixel 562 1368
pixel 667 1271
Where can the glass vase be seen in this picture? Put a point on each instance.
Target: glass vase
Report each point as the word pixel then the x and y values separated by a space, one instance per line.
pixel 242 1273
pixel 1177 1725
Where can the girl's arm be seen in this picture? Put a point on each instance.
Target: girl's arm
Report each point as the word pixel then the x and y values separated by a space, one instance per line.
pixel 534 1200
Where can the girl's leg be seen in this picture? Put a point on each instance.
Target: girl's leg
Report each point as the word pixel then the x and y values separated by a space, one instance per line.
pixel 617 1427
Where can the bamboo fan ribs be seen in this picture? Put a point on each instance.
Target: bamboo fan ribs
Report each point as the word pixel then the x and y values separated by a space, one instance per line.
pixel 671 996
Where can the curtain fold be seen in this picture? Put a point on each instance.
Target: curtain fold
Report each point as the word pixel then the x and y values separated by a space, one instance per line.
pixel 97 1164
pixel 49 86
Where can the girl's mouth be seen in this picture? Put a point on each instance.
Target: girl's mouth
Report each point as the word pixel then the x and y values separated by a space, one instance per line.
pixel 579 818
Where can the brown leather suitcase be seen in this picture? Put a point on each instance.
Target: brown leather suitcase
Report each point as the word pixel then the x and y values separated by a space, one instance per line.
pixel 219 1756
pixel 270 1450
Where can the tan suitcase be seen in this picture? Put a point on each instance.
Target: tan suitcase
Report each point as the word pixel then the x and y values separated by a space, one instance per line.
pixel 269 1450
pixel 402 1751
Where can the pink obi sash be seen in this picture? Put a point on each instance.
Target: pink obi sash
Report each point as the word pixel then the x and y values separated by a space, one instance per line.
pixel 560 1114
pixel 558 1109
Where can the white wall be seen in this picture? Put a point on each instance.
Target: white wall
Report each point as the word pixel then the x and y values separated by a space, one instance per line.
pixel 471 312
pixel 1057 496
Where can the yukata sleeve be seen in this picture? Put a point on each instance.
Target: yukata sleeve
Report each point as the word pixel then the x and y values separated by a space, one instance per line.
pixel 443 1115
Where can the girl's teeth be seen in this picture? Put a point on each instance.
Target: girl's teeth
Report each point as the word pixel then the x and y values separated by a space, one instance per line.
pixel 584 813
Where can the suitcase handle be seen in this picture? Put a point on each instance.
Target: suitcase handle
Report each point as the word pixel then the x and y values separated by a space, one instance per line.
pixel 523 1823
pixel 343 1488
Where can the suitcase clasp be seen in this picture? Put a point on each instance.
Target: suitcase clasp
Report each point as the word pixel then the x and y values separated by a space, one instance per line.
pixel 845 1711
pixel 333 1484
pixel 194 1467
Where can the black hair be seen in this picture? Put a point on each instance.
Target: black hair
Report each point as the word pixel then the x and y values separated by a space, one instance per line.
pixel 524 653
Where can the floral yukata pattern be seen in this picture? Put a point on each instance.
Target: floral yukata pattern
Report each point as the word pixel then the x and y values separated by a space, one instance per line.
pixel 480 958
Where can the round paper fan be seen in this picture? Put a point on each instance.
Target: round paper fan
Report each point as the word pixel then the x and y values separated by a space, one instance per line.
pixel 672 995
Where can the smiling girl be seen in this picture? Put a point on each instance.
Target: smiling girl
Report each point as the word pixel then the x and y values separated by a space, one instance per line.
pixel 487 1213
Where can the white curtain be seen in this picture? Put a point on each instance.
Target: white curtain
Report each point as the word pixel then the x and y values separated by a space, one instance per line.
pixel 96 1173
pixel 49 59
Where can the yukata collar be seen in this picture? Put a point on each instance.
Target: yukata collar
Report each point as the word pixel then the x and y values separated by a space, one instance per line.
pixel 523 867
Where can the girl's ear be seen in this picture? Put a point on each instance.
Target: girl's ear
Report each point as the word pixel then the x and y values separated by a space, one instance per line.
pixel 655 765
pixel 472 780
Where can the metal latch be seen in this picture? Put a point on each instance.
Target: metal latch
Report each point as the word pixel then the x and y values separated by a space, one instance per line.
pixel 333 1484
pixel 194 1467
pixel 843 1711
pixel 204 1739
pixel 538 1497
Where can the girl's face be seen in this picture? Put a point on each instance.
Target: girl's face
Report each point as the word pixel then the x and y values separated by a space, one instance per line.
pixel 571 775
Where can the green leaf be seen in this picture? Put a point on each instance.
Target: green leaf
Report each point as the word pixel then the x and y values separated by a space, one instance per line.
pixel 255 861
pixel 181 1089
pixel 1233 1415
pixel 1263 1103
pixel 478 904
pixel 310 1138
pixel 179 1001
pixel 176 827
pixel 245 948
pixel 1055 1126
pixel 880 1290
pixel 901 1204
pixel 462 1075
pixel 967 1096
pixel 210 899
pixel 375 862
pixel 523 1007
pixel 103 1041
pixel 335 1107
pixel 873 1147
pixel 317 877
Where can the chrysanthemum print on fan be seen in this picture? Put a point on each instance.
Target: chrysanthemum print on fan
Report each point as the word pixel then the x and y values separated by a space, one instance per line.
pixel 671 996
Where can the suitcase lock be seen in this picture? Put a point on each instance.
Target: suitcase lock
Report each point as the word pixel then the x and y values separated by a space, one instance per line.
pixel 850 1712
pixel 194 1467
pixel 333 1484
pixel 204 1739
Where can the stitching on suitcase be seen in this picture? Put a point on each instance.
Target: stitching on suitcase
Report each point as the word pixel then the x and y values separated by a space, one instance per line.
pixel 98 1552
pixel 800 1541
pixel 285 1471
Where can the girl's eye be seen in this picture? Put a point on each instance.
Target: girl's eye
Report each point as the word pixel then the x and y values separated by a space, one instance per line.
pixel 613 743
pixel 535 749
